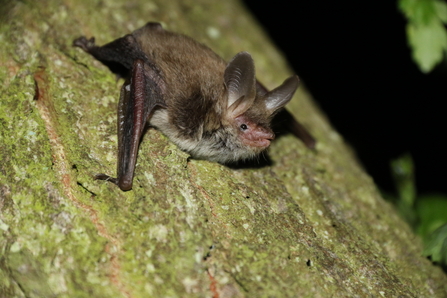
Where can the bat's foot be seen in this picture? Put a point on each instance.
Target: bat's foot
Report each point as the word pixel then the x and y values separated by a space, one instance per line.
pixel 123 184
pixel 84 43
pixel 106 178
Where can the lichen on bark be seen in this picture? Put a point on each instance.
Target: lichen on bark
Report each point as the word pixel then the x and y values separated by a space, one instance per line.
pixel 312 224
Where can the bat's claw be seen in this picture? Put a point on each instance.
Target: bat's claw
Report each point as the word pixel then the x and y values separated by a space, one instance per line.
pixel 106 178
pixel 84 43
pixel 123 183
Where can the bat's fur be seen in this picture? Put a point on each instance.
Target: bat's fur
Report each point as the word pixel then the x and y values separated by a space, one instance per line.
pixel 211 109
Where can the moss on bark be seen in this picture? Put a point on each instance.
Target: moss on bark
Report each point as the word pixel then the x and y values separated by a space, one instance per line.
pixel 311 225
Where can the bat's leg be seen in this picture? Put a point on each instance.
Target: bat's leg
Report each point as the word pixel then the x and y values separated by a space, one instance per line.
pixel 118 55
pixel 139 96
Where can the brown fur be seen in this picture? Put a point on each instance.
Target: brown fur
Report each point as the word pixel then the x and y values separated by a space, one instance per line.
pixel 211 109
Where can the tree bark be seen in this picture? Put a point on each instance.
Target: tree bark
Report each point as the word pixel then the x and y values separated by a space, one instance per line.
pixel 312 224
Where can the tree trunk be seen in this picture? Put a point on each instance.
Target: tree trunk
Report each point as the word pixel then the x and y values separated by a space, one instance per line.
pixel 312 224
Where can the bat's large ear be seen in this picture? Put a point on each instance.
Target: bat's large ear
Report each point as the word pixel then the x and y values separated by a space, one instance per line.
pixel 241 84
pixel 281 95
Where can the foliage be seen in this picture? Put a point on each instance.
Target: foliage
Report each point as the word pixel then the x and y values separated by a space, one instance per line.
pixel 432 212
pixel 427 214
pixel 403 173
pixel 426 33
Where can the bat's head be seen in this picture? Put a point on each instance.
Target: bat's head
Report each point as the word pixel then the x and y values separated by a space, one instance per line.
pixel 248 110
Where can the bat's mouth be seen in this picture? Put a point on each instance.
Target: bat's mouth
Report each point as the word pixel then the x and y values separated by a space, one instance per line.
pixel 260 142
pixel 264 143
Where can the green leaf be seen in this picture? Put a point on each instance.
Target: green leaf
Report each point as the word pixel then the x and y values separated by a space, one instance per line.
pixel 441 10
pixel 402 170
pixel 432 213
pixel 425 31
pixel 436 247
pixel 428 43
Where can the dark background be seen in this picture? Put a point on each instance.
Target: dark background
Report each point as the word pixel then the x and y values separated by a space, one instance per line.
pixel 354 59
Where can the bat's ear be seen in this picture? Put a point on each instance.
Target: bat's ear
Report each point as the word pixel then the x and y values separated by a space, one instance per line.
pixel 240 82
pixel 281 95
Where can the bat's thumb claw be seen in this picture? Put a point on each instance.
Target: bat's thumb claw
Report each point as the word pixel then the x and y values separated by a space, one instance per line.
pixel 84 43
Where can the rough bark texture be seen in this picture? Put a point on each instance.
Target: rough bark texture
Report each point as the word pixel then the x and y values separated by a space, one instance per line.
pixel 311 225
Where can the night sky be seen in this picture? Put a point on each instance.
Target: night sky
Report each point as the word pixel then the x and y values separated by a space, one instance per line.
pixel 354 59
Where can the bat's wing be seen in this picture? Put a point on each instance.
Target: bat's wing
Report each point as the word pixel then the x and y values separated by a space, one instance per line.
pixel 140 94
pixel 296 128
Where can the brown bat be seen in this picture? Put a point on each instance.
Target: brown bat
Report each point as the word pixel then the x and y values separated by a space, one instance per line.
pixel 209 108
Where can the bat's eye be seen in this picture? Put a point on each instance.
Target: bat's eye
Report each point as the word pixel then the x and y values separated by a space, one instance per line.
pixel 243 126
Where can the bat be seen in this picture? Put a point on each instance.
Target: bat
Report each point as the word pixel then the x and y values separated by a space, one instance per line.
pixel 209 108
